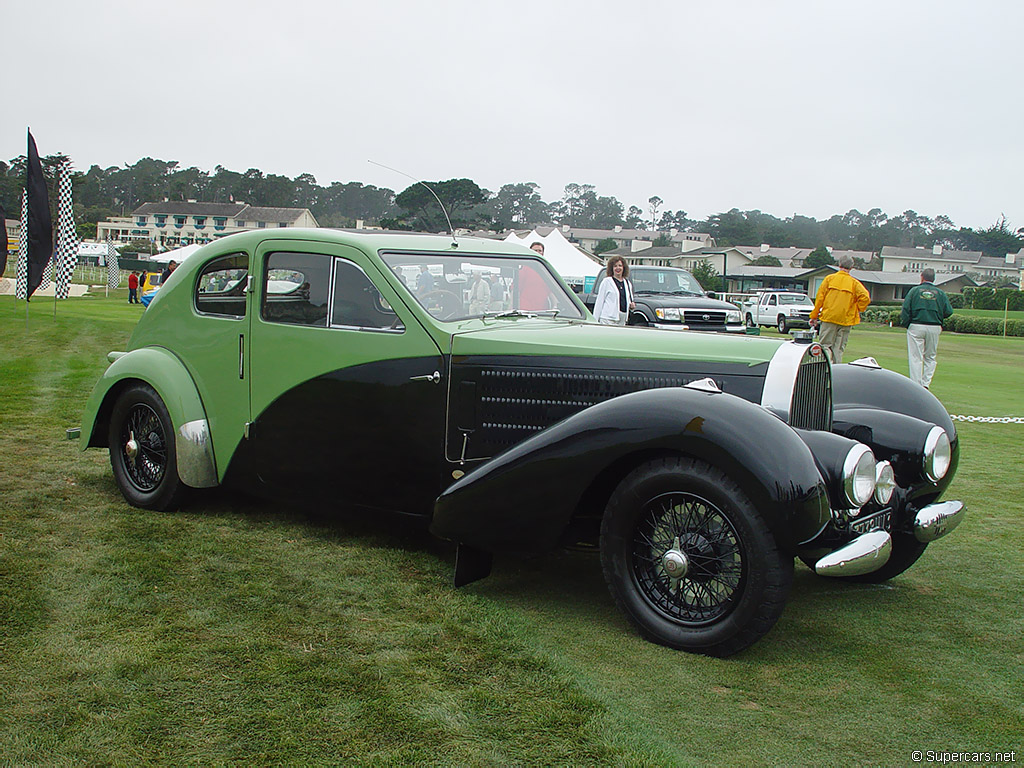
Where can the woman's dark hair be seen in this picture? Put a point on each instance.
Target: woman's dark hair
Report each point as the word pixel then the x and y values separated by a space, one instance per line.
pixel 610 267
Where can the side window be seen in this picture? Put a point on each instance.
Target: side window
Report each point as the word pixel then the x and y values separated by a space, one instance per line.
pixel 357 302
pixel 771 300
pixel 221 286
pixel 295 289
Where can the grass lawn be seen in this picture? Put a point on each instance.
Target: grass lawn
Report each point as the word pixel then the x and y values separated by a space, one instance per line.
pixel 239 632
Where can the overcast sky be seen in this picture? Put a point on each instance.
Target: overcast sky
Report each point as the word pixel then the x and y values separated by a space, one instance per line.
pixel 796 106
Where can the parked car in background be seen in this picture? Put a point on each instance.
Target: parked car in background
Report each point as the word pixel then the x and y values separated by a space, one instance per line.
pixel 300 364
pixel 672 299
pixel 783 309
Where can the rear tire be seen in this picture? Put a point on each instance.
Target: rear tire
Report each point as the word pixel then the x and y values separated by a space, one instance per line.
pixel 682 516
pixel 142 450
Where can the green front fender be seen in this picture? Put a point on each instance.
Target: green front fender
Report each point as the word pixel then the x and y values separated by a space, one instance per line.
pixel 166 374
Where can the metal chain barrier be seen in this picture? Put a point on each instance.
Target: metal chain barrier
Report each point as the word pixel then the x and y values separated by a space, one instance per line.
pixel 990 419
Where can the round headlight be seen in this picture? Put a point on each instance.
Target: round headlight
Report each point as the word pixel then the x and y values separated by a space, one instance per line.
pixel 885 482
pixel 937 454
pixel 859 476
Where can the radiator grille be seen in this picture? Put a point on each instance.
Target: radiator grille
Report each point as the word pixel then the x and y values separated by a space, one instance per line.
pixel 811 407
pixel 704 317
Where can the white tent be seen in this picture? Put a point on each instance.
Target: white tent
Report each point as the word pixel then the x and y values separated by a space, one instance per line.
pixel 568 260
pixel 178 254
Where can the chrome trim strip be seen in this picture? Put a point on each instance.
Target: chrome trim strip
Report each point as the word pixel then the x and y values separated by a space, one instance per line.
pixel 864 554
pixel 197 467
pixel 780 382
pixel 936 520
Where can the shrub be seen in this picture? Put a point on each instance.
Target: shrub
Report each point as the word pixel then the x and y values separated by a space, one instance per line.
pixel 990 326
pixel 956 300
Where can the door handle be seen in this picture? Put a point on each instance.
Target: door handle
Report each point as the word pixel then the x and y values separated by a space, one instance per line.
pixel 434 377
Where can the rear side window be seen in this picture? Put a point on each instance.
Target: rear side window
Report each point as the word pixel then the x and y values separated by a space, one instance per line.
pixel 221 286
pixel 296 287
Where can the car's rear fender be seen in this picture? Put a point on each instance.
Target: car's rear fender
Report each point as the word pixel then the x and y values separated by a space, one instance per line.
pixel 523 499
pixel 166 374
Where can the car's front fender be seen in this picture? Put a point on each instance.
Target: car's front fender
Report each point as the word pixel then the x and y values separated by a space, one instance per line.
pixel 166 374
pixel 522 500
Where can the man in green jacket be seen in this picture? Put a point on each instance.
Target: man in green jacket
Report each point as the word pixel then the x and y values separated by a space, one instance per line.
pixel 924 309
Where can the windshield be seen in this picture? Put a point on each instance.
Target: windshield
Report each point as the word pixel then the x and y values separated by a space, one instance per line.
pixel 795 298
pixel 671 281
pixel 457 287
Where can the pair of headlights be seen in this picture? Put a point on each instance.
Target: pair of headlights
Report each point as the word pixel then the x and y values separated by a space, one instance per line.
pixel 677 315
pixel 864 478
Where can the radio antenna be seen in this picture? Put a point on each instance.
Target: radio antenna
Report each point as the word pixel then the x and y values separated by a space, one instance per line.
pixel 451 229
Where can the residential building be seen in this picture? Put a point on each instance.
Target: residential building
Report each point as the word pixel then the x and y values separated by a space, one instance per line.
pixel 948 261
pixel 175 224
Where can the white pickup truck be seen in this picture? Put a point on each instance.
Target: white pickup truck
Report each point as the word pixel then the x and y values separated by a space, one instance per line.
pixel 782 309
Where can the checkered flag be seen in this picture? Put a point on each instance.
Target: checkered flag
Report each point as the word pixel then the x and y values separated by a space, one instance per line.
pixel 21 284
pixel 113 270
pixel 65 256
pixel 47 275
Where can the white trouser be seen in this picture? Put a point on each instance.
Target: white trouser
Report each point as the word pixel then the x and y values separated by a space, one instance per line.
pixel 922 346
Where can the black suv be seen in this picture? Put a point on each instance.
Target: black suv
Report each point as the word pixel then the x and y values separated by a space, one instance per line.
pixel 671 298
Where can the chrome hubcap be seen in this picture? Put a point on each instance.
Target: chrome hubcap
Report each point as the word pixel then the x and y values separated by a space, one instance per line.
pixel 675 562
pixel 131 448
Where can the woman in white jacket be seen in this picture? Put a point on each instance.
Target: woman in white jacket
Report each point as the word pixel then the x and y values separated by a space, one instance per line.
pixel 615 294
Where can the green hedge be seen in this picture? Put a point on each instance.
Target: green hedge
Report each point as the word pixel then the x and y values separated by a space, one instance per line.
pixel 988 298
pixel 990 326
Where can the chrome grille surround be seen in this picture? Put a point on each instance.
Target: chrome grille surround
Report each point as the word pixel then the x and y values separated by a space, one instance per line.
pixel 798 387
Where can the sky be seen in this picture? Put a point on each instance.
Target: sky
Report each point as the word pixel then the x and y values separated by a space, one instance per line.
pixel 786 106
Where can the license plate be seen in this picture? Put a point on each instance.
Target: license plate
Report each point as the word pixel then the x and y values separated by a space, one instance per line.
pixel 879 522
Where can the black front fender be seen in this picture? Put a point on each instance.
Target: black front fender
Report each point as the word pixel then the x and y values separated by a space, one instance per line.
pixel 522 499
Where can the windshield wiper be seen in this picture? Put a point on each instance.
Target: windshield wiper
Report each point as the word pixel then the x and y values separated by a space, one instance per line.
pixel 520 313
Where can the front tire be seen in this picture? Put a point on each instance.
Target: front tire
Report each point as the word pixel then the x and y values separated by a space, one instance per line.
pixel 749 320
pixel 783 325
pixel 142 450
pixel 690 561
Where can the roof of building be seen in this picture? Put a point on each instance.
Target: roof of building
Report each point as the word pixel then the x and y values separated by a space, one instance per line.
pixel 897 252
pixel 242 211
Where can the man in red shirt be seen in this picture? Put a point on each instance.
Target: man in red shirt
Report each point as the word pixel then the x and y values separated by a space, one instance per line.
pixel 133 288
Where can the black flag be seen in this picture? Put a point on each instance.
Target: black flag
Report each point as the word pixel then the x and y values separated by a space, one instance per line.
pixel 40 225
pixel 3 241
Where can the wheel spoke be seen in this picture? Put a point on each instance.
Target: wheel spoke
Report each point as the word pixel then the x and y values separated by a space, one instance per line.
pixel 701 531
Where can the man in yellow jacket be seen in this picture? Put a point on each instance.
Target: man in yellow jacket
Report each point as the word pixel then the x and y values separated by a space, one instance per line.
pixel 840 301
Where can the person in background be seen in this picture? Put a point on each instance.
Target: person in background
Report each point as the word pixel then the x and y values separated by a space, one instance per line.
pixel 133 288
pixel 171 266
pixel 615 294
pixel 924 309
pixel 537 247
pixel 841 298
pixel 424 281
pixel 479 295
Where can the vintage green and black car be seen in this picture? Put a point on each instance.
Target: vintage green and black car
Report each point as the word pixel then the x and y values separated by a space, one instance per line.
pixel 461 384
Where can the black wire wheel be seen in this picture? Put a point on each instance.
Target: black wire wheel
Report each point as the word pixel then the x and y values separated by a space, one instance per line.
pixel 141 441
pixel 689 559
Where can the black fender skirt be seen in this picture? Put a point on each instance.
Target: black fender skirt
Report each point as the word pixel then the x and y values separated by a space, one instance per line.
pixel 521 500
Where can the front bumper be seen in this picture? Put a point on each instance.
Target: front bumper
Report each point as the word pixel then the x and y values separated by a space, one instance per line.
pixel 870 551
pixel 732 328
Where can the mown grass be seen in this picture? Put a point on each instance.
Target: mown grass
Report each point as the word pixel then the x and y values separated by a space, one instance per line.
pixel 239 632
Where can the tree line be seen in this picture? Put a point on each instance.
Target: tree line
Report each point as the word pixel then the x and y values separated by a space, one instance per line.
pixel 104 192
